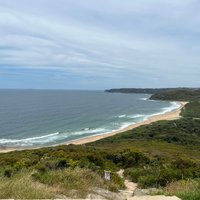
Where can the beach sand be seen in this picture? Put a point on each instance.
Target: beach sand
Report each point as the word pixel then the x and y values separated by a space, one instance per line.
pixel 172 115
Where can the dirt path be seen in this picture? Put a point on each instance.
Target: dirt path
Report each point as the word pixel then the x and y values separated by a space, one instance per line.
pixel 132 192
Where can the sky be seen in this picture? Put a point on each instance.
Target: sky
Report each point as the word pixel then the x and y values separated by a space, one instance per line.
pixel 99 44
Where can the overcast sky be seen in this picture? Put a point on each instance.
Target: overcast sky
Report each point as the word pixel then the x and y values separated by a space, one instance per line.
pixel 99 44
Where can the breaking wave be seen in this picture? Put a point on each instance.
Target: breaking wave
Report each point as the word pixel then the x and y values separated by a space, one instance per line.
pixel 48 139
pixel 59 137
pixel 30 141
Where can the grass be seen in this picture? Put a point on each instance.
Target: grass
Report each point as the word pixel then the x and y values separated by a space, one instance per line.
pixel 80 181
pixel 22 186
pixel 73 183
pixel 185 189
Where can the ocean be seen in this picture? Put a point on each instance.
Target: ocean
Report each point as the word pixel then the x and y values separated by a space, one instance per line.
pixel 38 118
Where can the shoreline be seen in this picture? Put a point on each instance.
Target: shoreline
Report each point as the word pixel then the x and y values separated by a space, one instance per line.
pixel 171 115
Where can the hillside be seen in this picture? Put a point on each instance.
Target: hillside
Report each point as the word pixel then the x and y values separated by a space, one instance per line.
pixel 148 90
pixel 177 95
pixel 165 154
pixel 167 94
pixel 136 90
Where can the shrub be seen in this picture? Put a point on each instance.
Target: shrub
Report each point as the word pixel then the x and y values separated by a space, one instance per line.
pixel 147 181
pixel 41 168
pixel 62 164
pixel 128 158
pixel 96 159
pixel 8 173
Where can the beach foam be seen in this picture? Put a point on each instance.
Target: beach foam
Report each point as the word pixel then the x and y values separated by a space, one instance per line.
pixel 88 131
pixel 144 99
pixel 29 141
pixel 56 137
pixel 122 116
pixel 142 117
pixel 45 139
pixel 136 116
pixel 173 106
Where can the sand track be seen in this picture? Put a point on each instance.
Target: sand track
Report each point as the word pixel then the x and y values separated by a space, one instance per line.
pixel 132 192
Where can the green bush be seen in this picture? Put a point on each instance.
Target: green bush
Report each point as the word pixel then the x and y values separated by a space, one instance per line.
pixel 128 158
pixel 62 164
pixel 8 173
pixel 148 181
pixel 96 159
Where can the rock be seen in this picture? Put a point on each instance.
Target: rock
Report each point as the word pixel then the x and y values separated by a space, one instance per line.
pixel 60 196
pixel 140 192
pixel 105 194
pixel 150 191
pixel 158 197
pixel 121 173
pixel 95 196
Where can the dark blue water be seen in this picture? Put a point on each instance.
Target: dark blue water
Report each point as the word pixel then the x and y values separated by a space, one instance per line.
pixel 34 118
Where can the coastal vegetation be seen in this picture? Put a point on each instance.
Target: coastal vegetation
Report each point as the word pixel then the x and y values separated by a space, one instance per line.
pixel 151 90
pixel 164 154
pixel 178 95
pixel 167 94
pixel 172 149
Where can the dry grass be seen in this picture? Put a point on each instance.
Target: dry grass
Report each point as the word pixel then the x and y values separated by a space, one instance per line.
pixel 185 189
pixel 183 186
pixel 22 186
pixel 73 183
pixel 76 183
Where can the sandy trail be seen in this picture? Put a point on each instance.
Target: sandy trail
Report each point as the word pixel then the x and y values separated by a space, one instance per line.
pixel 132 192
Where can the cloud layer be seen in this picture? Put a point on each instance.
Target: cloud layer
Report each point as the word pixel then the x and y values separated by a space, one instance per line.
pixel 99 44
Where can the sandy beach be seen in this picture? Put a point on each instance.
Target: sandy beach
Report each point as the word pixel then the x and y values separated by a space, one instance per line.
pixel 172 115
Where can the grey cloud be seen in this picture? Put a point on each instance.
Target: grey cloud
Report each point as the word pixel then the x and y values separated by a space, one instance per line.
pixel 108 38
